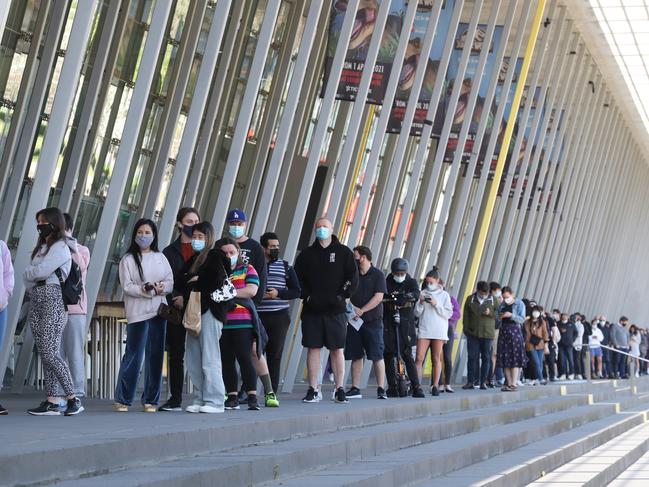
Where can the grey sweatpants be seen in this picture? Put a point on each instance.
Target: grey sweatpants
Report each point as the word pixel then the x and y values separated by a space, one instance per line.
pixel 73 352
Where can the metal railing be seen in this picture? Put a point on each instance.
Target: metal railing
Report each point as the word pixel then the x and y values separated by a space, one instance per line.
pixel 105 348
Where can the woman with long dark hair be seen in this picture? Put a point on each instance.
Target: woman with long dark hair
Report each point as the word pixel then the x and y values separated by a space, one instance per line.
pixel 208 270
pixel 146 278
pixel 48 270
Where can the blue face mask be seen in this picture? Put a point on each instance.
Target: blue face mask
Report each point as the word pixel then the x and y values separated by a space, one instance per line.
pixel 198 245
pixel 233 260
pixel 322 233
pixel 144 241
pixel 235 231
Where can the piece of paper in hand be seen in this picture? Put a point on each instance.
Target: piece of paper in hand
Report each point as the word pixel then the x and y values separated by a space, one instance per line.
pixel 355 321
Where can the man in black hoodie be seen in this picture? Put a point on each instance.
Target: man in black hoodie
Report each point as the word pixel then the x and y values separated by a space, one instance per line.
pixel 328 274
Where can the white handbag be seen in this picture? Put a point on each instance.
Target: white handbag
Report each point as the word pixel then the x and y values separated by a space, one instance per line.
pixel 225 292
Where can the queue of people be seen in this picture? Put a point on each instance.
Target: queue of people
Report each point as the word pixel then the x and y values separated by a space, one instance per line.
pixel 220 307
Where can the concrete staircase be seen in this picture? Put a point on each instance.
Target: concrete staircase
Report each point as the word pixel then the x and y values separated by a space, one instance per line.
pixel 470 438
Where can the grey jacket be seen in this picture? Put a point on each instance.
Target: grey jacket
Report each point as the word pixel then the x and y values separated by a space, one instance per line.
pixel 619 336
pixel 45 262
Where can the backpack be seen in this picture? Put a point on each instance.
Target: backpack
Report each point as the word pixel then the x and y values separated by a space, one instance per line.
pixel 72 287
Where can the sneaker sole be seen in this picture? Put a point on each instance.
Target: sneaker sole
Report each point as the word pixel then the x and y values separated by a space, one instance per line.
pixel 341 402
pixel 232 408
pixel 48 413
pixel 80 410
pixel 175 410
pixel 360 396
pixel 272 405
pixel 254 408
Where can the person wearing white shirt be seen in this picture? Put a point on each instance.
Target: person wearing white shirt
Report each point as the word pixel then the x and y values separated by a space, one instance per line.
pixel 594 343
pixel 577 346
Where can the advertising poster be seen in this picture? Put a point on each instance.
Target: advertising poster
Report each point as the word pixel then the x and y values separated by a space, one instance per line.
pixel 467 85
pixel 359 42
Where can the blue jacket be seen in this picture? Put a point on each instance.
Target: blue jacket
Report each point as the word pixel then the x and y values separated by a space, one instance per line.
pixel 518 311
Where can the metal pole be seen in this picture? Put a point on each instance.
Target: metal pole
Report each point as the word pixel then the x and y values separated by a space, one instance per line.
pixel 245 113
pixel 382 123
pixel 127 148
pixel 382 227
pixel 194 118
pixel 61 109
pixel 320 131
pixel 357 112
pixel 91 101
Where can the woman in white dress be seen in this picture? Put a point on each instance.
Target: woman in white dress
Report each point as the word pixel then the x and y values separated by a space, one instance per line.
pixel 634 343
pixel 433 309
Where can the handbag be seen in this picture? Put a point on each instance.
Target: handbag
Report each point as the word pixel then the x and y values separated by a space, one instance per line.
pixel 192 316
pixel 535 340
pixel 225 292
pixel 171 314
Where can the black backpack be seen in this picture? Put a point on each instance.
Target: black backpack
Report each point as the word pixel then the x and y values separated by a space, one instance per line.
pixel 72 287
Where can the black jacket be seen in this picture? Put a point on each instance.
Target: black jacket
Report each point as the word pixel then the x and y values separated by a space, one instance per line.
pixel 407 332
pixel 568 333
pixel 178 267
pixel 328 276
pixel 210 278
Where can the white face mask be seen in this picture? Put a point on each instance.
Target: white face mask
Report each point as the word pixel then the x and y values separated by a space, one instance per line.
pixel 432 287
pixel 498 294
pixel 536 314
pixel 399 279
pixel 509 300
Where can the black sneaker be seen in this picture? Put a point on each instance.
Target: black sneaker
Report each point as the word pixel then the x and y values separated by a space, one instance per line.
pixel 253 405
pixel 311 396
pixel 380 393
pixel 354 393
pixel 340 396
pixel 418 392
pixel 434 391
pixel 232 402
pixel 74 407
pixel 3 411
pixel 392 391
pixel 483 387
pixel 170 406
pixel 46 408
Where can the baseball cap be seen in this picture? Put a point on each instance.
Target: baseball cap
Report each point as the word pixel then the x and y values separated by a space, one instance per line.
pixel 236 215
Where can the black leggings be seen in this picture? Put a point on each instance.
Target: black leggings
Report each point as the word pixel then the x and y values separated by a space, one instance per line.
pixel 276 324
pixel 176 354
pixel 237 345
pixel 447 352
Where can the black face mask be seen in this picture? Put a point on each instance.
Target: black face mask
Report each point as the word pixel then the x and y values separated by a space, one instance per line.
pixel 188 230
pixel 273 254
pixel 45 229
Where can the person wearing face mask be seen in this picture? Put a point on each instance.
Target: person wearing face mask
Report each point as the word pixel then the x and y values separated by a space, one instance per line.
pixel 536 337
pixel 208 270
pixel 328 276
pixel 146 278
pixel 566 355
pixel 242 329
pixel 578 347
pixel 447 348
pixel 495 373
pixel 283 286
pixel 368 340
pixel 179 254
pixel 480 311
pixel 552 347
pixel 634 350
pixel 75 332
pixel 6 289
pixel 511 347
pixel 434 309
pixel 49 268
pixel 620 341
pixel 607 366
pixel 404 292
pixel 594 344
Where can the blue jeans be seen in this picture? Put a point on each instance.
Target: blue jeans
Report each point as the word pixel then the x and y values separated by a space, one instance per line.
pixel 479 359
pixel 567 360
pixel 621 366
pixel 537 360
pixel 145 339
pixel 3 324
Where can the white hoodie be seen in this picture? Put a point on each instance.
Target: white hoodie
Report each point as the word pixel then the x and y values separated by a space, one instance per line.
pixel 595 338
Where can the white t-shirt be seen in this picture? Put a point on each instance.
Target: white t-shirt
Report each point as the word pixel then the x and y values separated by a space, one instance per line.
pixel 595 338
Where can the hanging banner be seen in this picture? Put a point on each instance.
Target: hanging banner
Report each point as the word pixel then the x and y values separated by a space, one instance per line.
pixel 359 44
pixel 467 85
pixel 407 74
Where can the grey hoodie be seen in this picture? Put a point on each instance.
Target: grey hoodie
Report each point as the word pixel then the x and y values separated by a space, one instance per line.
pixel 45 262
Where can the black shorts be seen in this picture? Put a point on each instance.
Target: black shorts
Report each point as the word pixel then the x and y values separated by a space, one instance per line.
pixel 319 330
pixel 368 341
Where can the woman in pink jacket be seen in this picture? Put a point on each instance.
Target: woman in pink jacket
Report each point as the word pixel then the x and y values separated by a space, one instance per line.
pixel 6 288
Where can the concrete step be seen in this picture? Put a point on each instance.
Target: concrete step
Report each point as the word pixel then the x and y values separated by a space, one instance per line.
pixel 425 464
pixel 257 464
pixel 101 441
pixel 533 461
pixel 637 475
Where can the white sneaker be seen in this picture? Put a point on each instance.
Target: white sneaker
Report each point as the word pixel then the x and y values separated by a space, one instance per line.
pixel 520 384
pixel 194 408
pixel 578 377
pixel 211 409
pixel 571 377
pixel 562 377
